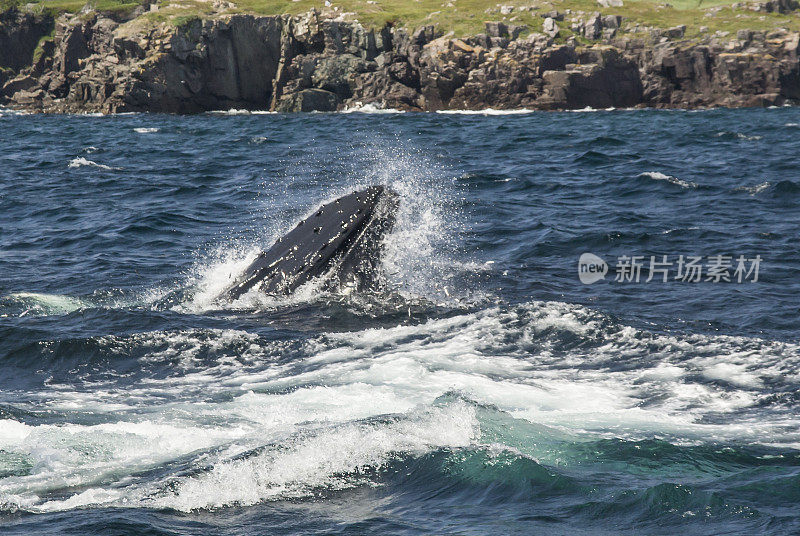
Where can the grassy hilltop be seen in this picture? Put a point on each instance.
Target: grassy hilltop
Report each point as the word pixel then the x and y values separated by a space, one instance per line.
pixel 465 17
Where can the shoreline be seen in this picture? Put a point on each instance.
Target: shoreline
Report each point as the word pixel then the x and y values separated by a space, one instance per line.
pixel 311 62
pixel 392 111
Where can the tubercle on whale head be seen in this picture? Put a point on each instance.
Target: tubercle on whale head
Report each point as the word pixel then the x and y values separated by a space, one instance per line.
pixel 344 235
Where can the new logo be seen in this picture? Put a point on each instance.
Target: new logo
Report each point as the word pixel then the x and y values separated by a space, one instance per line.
pixel 591 268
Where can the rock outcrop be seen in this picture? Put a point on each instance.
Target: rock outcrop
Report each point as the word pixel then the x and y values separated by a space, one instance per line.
pixel 20 34
pixel 313 63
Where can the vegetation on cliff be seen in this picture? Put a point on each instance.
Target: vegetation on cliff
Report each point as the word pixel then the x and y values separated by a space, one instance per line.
pixel 463 17
pixel 185 56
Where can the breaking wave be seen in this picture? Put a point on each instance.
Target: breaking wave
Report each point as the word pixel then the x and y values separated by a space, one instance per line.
pixel 487 111
pixel 290 419
pixel 656 175
pixel 81 161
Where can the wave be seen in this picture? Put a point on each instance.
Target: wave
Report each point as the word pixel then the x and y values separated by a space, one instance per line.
pixel 487 111
pixel 786 187
pixel 38 304
pixel 12 112
pixel 145 130
pixel 729 135
pixel 534 381
pixel 81 161
pixel 370 108
pixel 237 111
pixel 590 109
pixel 756 189
pixel 658 176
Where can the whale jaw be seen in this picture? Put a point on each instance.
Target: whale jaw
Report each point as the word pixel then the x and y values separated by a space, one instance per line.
pixel 342 239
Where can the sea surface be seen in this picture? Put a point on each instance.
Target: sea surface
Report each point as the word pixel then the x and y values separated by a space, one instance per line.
pixel 487 390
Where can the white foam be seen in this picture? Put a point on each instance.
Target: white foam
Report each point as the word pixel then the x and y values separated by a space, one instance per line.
pixel 273 419
pixel 487 111
pixel 212 277
pixel 738 135
pixel 81 161
pixel 737 374
pixel 657 175
pixel 145 130
pixel 12 432
pixel 757 189
pixel 370 108
pixel 39 303
pixel 329 459
pixel 12 112
pixel 236 111
pixel 230 111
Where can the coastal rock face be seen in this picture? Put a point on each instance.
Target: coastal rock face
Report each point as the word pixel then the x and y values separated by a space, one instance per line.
pixel 19 36
pixel 757 72
pixel 315 63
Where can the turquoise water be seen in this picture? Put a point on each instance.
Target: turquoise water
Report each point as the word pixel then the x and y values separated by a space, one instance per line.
pixel 488 391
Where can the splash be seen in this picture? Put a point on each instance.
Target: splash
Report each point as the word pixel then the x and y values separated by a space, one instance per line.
pixel 419 253
pixel 370 108
pixel 214 274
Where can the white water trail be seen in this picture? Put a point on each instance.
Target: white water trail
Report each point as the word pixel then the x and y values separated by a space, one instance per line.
pixel 258 426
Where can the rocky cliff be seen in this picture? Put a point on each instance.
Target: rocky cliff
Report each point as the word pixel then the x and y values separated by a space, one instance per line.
pixel 91 63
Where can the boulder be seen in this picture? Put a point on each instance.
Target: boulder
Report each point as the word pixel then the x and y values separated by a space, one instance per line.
pixel 593 28
pixel 338 74
pixel 549 27
pixel 309 100
pixel 676 32
pixel 496 29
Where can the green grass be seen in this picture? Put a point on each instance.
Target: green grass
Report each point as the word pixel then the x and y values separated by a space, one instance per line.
pixel 465 17
pixel 56 7
pixel 39 50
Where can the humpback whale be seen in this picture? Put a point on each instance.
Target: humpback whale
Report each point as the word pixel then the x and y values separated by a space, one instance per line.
pixel 341 239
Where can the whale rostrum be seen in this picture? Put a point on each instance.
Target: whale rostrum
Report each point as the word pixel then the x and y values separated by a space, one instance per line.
pixel 342 239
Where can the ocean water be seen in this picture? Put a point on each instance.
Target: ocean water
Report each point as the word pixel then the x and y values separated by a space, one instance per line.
pixel 486 391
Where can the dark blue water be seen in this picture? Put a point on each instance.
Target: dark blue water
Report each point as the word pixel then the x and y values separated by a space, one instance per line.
pixel 486 391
